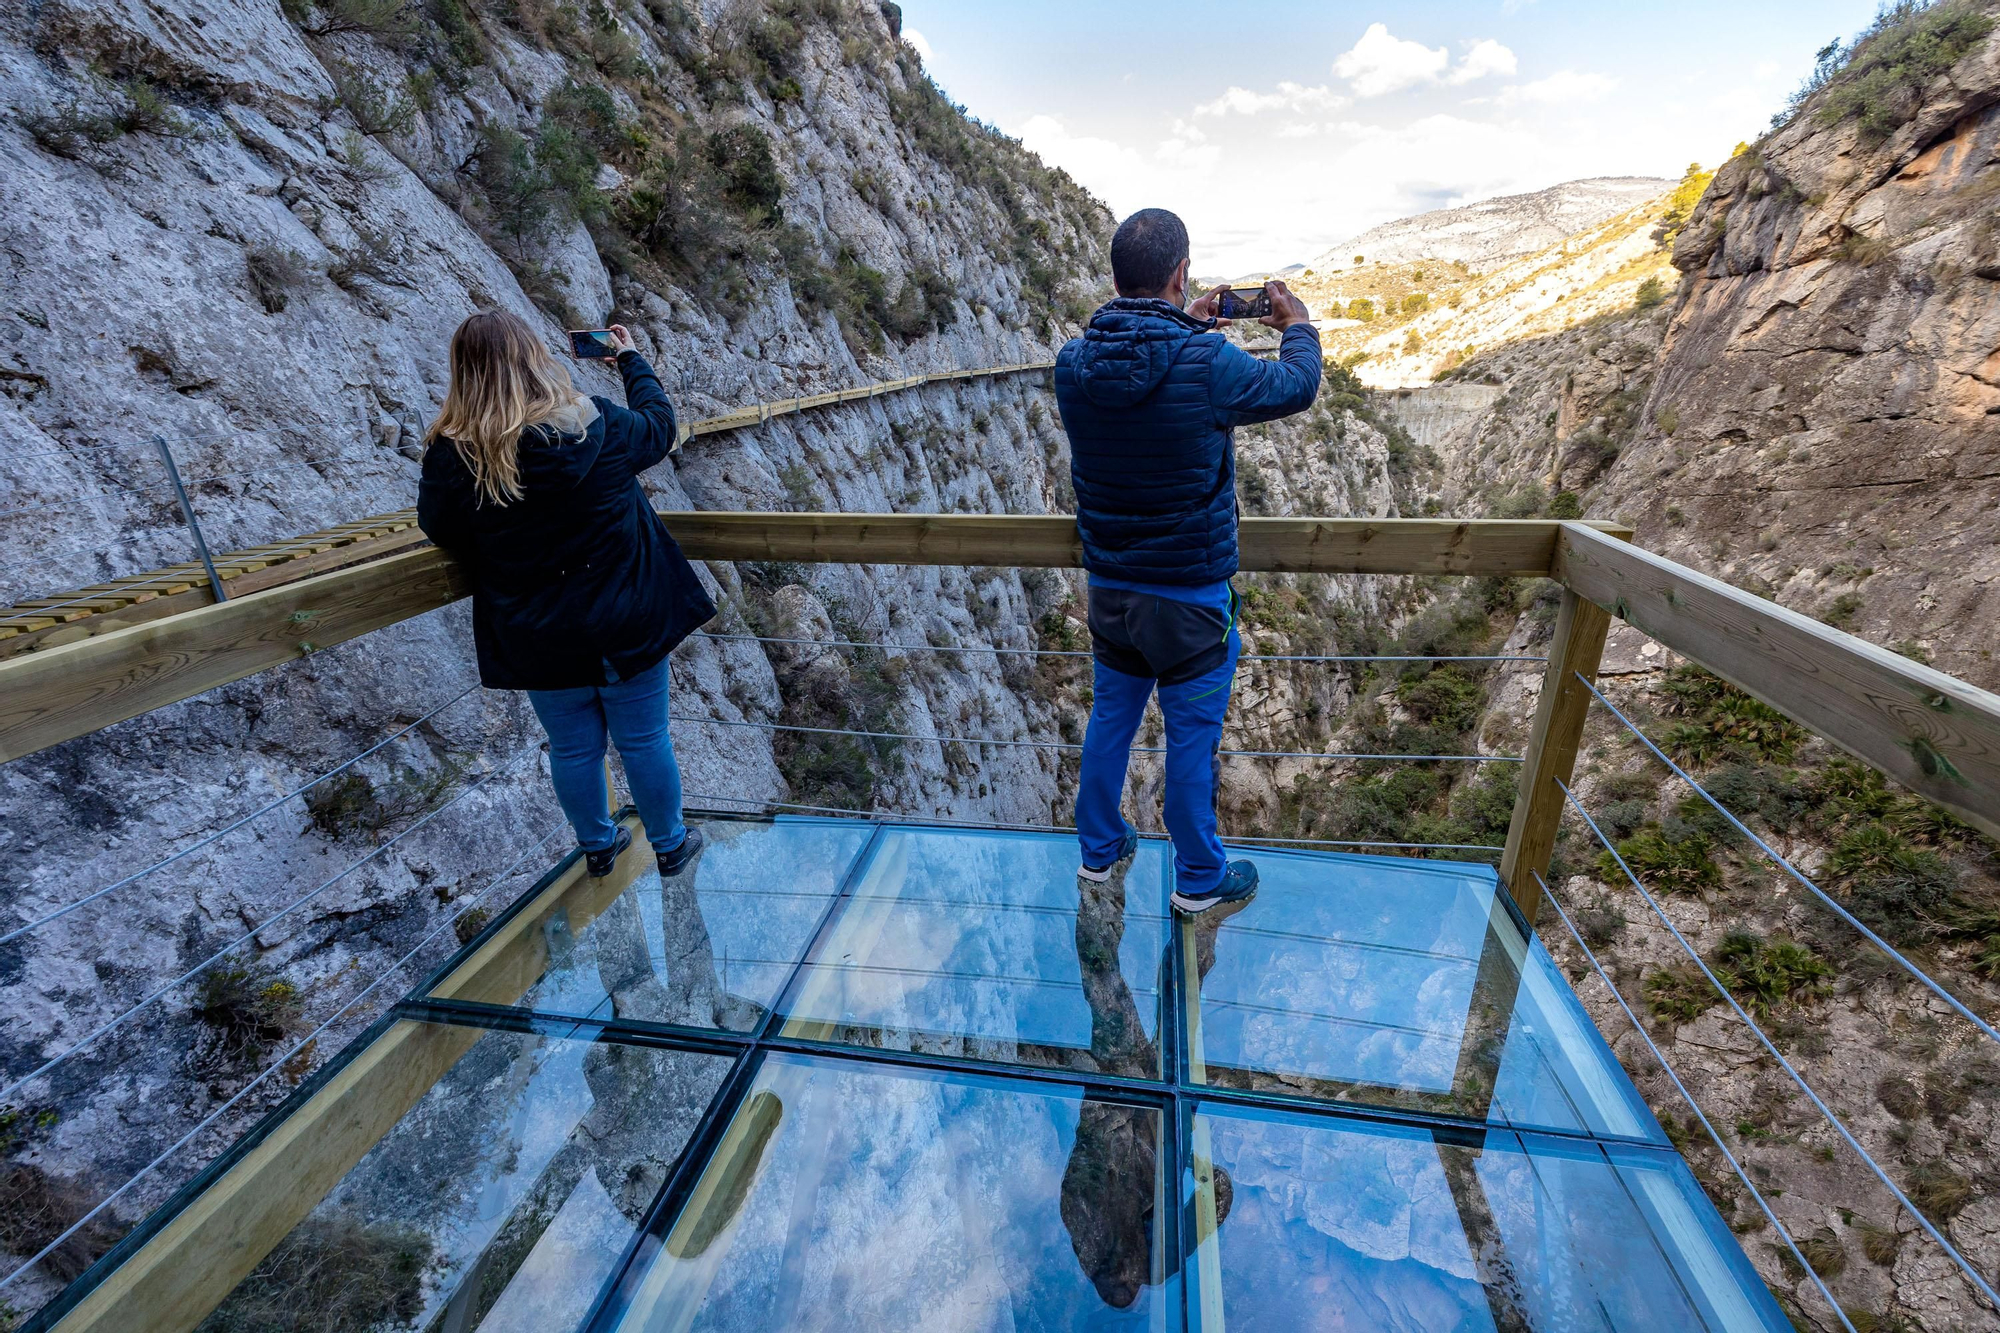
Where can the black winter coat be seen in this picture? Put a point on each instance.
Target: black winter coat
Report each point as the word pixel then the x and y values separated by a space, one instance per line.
pixel 1149 395
pixel 579 570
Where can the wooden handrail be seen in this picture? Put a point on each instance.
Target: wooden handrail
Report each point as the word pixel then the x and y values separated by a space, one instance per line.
pixel 59 693
pixel 1935 734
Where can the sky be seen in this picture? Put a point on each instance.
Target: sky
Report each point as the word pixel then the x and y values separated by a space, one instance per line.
pixel 1279 128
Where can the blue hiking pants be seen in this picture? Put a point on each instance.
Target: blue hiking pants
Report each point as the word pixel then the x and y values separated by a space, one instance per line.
pixel 1193 707
pixel 633 713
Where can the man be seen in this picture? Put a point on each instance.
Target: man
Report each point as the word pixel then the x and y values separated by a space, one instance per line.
pixel 1149 396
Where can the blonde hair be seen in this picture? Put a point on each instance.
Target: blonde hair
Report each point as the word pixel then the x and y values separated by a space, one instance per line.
pixel 503 381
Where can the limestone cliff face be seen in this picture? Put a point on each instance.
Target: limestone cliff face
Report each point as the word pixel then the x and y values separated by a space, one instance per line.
pixel 1829 388
pixel 250 229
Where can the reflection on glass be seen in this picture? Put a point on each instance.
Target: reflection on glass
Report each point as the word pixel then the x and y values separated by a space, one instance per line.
pixel 1395 981
pixel 708 949
pixel 846 1196
pixel 1335 1223
pixel 988 945
pixel 499 1202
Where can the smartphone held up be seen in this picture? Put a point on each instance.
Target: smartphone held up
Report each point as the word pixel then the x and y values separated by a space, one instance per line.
pixel 1243 303
pixel 593 345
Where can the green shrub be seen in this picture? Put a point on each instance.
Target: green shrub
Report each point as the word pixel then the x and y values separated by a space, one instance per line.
pixel 1445 696
pixel 1938 1190
pixel 330 1275
pixel 1681 203
pixel 1416 302
pixel 1764 973
pixel 249 1006
pixel 1361 308
pixel 274 272
pixel 1567 504
pixel 375 111
pixel 1897 889
pixel 391 21
pixel 1840 612
pixel 1663 863
pixel 1679 993
pixel 1722 722
pixel 1650 293
pixel 1879 79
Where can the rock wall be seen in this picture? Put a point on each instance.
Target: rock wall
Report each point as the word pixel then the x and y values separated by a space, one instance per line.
pixel 250 229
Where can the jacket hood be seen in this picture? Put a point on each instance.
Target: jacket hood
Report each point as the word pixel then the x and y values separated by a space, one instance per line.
pixel 1129 347
pixel 558 453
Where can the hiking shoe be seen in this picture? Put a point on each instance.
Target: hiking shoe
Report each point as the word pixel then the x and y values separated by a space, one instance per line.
pixel 1126 850
pixel 1239 884
pixel 599 863
pixel 681 857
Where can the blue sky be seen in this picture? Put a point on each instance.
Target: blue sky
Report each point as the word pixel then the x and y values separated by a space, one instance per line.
pixel 1278 128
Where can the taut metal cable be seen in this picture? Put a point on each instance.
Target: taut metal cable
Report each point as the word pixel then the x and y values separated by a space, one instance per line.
pixel 1964 1265
pixel 1085 652
pixel 893 817
pixel 263 925
pixel 1069 745
pixel 1796 874
pixel 1688 1097
pixel 279 1063
pixel 217 836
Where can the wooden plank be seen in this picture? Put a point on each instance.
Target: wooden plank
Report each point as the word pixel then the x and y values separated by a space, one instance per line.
pixel 517 954
pixel 172 1283
pixel 1578 646
pixel 1346 546
pixel 1938 736
pixel 50 696
pixel 179 1276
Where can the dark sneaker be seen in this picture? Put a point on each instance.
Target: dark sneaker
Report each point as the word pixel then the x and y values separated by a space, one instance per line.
pixel 1126 850
pixel 600 863
pixel 681 857
pixel 1239 884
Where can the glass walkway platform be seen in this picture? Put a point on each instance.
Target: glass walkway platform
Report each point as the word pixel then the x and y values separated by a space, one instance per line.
pixel 847 1075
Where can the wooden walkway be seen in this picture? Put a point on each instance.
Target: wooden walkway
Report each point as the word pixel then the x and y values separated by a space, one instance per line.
pixel 64 617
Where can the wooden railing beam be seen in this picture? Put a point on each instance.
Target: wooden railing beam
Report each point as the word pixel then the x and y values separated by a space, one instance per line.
pixel 1550 763
pixel 1935 734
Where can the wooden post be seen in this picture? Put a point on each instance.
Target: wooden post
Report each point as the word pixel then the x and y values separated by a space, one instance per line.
pixel 1578 647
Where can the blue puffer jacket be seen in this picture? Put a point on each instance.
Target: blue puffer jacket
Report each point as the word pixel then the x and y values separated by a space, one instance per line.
pixel 1149 395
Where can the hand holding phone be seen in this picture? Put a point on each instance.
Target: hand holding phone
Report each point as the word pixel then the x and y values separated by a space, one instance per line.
pixel 600 344
pixel 1243 303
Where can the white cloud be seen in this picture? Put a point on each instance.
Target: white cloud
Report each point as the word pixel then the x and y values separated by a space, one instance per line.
pixel 1561 88
pixel 1486 57
pixel 1119 175
pixel 1379 63
pixel 1301 129
pixel 916 39
pixel 1289 97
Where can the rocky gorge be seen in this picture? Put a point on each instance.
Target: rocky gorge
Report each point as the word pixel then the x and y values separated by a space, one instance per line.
pixel 258 224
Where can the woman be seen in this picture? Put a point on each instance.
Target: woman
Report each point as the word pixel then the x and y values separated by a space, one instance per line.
pixel 578 593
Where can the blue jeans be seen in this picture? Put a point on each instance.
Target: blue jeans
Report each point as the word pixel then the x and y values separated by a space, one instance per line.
pixel 634 714
pixel 1193 710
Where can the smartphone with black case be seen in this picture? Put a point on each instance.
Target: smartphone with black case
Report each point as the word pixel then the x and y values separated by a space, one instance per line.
pixel 592 345
pixel 1243 303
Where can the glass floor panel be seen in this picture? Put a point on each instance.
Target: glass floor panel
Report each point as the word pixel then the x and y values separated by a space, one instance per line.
pixel 711 951
pixel 1044 1105
pixel 849 1196
pixel 986 944
pixel 1324 1222
pixel 1397 982
pixel 501 1201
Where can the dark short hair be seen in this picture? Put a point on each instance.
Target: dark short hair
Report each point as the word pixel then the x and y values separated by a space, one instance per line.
pixel 1146 250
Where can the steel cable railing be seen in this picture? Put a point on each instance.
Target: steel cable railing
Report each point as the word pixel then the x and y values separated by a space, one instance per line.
pixel 1660 1058
pixel 1797 874
pixel 282 1060
pixel 259 928
pixel 1085 652
pixel 217 836
pixel 1071 745
pixel 1965 1266
pixel 959 821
